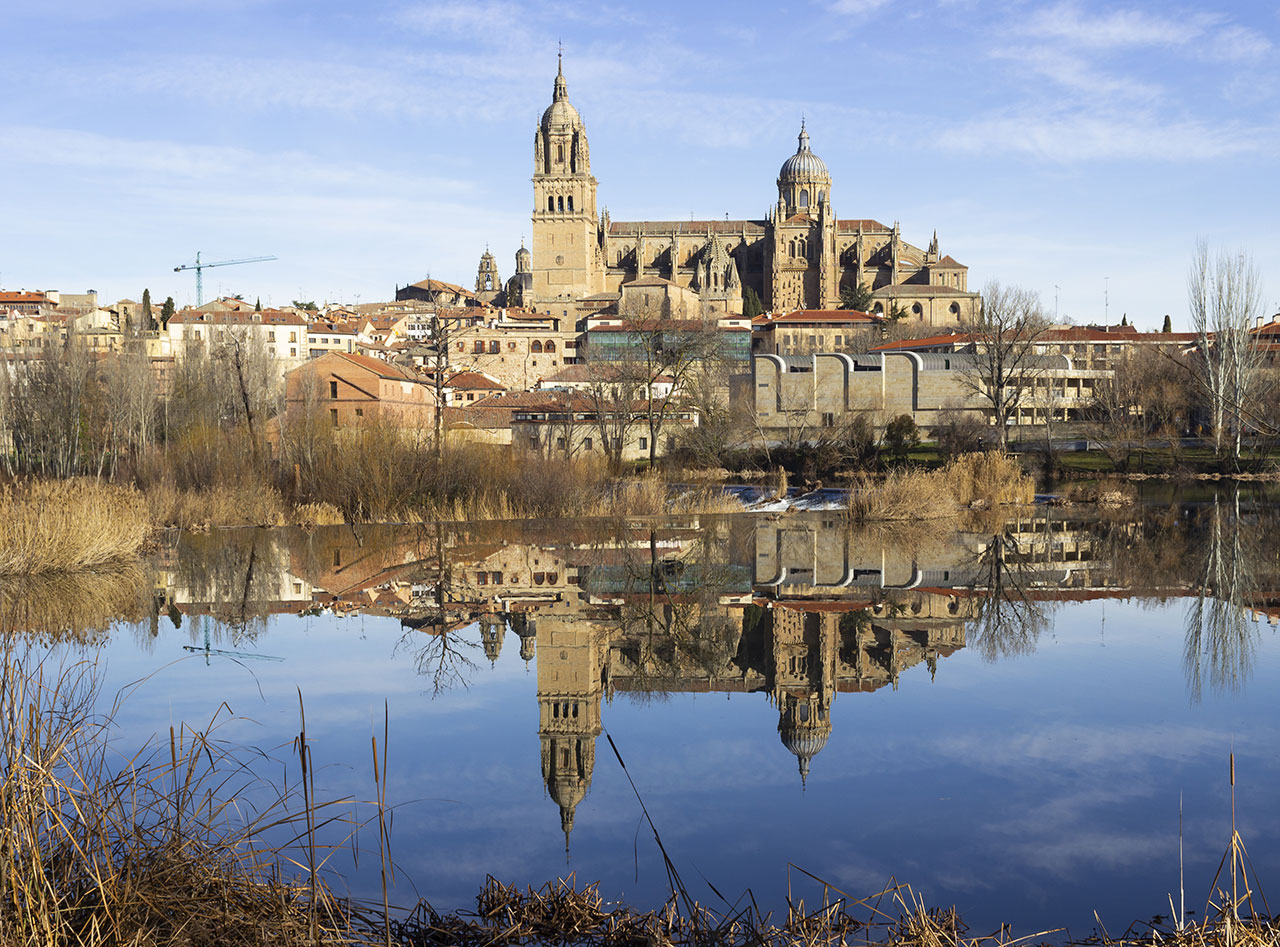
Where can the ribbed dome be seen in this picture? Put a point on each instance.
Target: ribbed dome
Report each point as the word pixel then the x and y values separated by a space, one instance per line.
pixel 805 743
pixel 804 165
pixel 524 264
pixel 560 112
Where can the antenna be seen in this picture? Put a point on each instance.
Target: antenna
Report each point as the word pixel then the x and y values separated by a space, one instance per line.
pixel 1056 289
pixel 1106 301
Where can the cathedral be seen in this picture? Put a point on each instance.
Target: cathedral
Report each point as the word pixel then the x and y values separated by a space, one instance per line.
pixel 801 256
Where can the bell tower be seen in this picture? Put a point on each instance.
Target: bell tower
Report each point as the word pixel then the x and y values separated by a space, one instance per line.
pixel 566 264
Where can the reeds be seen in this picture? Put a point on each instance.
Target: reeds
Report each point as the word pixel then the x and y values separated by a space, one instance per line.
pixel 237 504
pixel 970 482
pixel 65 525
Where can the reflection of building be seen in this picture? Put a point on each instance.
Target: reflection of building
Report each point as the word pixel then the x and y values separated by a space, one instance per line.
pixel 571 656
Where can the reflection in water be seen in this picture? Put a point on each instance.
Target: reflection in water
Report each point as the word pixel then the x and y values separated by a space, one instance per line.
pixel 798 609
pixel 1235 563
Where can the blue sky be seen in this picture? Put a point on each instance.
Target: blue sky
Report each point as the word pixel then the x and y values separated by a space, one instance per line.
pixel 1081 145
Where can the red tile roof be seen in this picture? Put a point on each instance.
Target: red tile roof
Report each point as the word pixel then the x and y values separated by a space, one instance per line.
pixel 932 341
pixel 819 315
pixel 377 366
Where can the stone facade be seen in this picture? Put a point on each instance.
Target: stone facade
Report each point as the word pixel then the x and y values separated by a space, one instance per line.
pixel 798 393
pixel 799 257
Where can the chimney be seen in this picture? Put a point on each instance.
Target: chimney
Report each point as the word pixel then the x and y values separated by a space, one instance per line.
pixel 1259 323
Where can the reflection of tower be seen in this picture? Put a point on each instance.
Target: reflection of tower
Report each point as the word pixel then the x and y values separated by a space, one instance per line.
pixel 528 639
pixel 491 635
pixel 805 645
pixel 570 658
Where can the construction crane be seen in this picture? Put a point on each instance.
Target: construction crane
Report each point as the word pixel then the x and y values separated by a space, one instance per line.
pixel 201 267
pixel 208 651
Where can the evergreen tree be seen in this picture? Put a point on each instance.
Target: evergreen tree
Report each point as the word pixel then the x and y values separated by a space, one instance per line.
pixel 1124 320
pixel 166 312
pixel 257 306
pixel 751 306
pixel 1168 324
pixel 147 322
pixel 855 297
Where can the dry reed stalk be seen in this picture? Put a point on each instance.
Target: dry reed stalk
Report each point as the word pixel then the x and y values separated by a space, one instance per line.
pixel 971 481
pixel 63 526
pixel 247 504
pixel 74 606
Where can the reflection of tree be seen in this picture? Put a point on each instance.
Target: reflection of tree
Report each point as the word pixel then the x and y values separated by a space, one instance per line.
pixel 441 652
pixel 671 622
pixel 235 573
pixel 1007 619
pixel 1220 638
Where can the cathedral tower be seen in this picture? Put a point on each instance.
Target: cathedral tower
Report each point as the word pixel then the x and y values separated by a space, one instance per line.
pixel 804 268
pixel 565 245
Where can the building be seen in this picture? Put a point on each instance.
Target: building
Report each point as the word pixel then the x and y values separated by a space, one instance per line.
pixel 349 389
pixel 807 331
pixel 797 394
pixel 801 256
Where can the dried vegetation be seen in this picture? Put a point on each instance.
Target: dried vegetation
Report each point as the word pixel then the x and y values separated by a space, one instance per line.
pixel 970 482
pixel 65 525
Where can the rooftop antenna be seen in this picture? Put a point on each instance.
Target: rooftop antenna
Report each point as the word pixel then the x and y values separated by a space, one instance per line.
pixel 1106 301
pixel 1056 289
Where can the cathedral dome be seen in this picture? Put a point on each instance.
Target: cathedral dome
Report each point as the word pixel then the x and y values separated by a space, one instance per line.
pixel 804 165
pixel 560 114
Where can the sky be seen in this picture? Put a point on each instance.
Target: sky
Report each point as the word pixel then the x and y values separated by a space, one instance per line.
pixel 1076 148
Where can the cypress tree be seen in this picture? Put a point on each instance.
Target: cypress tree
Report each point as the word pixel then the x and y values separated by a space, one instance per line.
pixel 1168 324
pixel 750 303
pixel 257 306
pixel 166 312
pixel 147 320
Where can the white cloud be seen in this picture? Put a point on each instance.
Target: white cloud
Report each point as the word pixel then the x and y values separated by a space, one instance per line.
pixel 1083 136
pixel 856 7
pixel 1069 22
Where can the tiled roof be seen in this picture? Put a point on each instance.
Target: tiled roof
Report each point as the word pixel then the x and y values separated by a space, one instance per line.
pixel 820 315
pixel 697 228
pixel 23 297
pixel 932 341
pixel 864 224
pixel 950 261
pixel 918 289
pixel 475 381
pixel 651 281
pixel 378 367
pixel 271 317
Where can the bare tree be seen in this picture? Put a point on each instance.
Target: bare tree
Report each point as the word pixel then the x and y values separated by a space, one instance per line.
pixel 1006 361
pixel 1224 294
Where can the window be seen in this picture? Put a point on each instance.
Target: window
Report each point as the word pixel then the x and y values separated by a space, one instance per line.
pixel 333 416
pixel 495 578
pixel 535 347
pixel 478 348
pixel 511 346
pixel 551 203
pixel 828 419
pixel 559 443
pixel 359 412
pixel 482 578
pixel 644 443
pixel 333 389
pixel 560 204
pixel 570 203
pixel 586 443
pixel 271 336
pixel 804 198
pixel 550 346
pixel 495 347
pixel 560 153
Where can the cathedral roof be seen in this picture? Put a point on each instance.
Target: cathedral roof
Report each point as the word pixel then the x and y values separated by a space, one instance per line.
pixel 950 261
pixel 699 228
pixel 804 164
pixel 865 224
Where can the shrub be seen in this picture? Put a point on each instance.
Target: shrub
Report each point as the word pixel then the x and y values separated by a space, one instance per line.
pixel 901 434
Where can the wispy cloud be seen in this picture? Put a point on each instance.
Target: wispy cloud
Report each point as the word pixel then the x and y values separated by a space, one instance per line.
pixel 1117 29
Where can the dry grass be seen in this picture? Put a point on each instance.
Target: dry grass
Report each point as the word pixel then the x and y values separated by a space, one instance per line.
pixel 971 481
pixel 63 526
pixel 152 850
pixel 311 515
pixel 246 504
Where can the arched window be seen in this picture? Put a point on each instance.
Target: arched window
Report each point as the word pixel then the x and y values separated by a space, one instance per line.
pixel 917 310
pixel 792 249
pixel 551 203
pixel 550 346
pixel 571 203
pixel 536 346
pixel 955 309
pixel 560 202
pixel 488 281
pixel 560 153
pixel 619 258
pixel 817 198
pixel 879 308
pixel 804 198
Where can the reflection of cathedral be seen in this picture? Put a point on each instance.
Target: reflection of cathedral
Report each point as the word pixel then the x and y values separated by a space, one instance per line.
pixel 799 257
